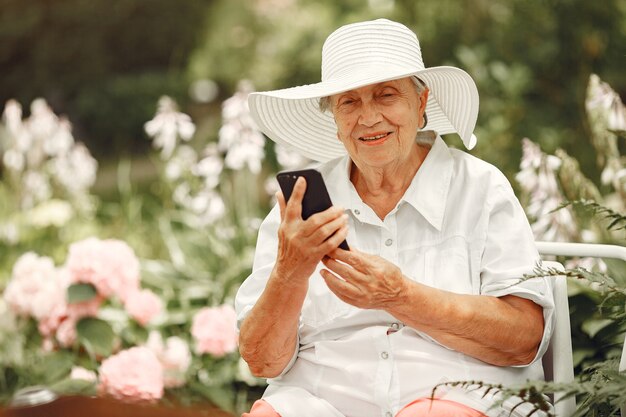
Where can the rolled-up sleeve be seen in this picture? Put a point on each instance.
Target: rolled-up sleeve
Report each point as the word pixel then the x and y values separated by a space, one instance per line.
pixel 509 253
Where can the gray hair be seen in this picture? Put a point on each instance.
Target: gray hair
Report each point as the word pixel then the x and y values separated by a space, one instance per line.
pixel 420 86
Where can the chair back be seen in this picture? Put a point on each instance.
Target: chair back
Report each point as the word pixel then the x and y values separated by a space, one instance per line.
pixel 558 364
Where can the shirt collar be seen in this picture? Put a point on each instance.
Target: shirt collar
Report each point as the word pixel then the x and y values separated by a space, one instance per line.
pixel 345 194
pixel 428 192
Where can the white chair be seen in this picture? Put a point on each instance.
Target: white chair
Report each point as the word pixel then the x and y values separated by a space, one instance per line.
pixel 558 365
pixel 557 362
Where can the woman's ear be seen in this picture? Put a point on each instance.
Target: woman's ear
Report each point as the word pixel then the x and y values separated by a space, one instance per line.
pixel 422 108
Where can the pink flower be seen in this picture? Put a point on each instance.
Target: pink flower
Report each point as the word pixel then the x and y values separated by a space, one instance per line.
pixel 174 355
pixel 132 374
pixel 143 305
pixel 35 289
pixel 87 308
pixel 109 265
pixel 66 332
pixel 214 330
pixel 47 326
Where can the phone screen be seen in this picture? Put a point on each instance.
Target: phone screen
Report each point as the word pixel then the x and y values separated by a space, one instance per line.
pixel 316 196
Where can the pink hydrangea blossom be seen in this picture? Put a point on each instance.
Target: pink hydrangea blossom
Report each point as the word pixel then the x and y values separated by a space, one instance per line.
pixel 111 266
pixel 35 289
pixel 214 330
pixel 132 374
pixel 48 325
pixel 174 355
pixel 143 305
pixel 66 332
pixel 63 318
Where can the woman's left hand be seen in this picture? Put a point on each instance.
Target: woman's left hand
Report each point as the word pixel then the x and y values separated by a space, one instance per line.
pixel 363 280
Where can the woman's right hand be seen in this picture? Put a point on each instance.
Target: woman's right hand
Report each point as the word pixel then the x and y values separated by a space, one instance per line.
pixel 303 243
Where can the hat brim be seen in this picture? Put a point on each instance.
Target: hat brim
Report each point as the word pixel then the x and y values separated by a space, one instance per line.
pixel 292 117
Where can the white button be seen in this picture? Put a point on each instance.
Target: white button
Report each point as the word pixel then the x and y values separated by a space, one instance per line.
pixel 384 355
pixel 395 326
pixel 357 212
pixel 389 242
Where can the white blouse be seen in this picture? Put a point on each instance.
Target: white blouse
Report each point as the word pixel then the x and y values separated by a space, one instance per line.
pixel 460 228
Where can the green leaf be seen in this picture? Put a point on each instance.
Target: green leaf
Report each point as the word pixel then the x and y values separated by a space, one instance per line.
pixel 593 326
pixel 220 396
pixel 55 367
pixel 77 293
pixel 95 335
pixel 70 386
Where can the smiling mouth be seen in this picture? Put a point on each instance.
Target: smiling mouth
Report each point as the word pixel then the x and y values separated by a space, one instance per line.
pixel 375 137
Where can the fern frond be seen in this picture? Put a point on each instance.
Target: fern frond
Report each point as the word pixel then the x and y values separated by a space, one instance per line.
pixel 617 220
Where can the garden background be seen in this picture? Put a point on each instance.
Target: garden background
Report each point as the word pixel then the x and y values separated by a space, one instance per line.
pixel 132 180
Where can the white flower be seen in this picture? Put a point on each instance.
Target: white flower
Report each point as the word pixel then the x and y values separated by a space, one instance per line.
pixel 42 120
pixel 78 372
pixel 602 97
pixel 75 171
pixel 36 188
pixel 9 233
pixel 14 160
pixel 243 154
pixel 538 179
pixel 209 167
pixel 167 126
pixel 239 136
pixel 12 117
pixel 183 161
pixel 271 186
pixel 50 213
pixel 60 142
pixel 207 205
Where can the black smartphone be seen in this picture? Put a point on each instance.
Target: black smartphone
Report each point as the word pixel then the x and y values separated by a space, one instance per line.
pixel 316 196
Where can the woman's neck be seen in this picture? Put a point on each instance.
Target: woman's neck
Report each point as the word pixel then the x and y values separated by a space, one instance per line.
pixel 382 187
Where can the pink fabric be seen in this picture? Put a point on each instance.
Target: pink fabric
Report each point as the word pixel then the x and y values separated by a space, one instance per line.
pixel 261 408
pixel 423 407
pixel 438 408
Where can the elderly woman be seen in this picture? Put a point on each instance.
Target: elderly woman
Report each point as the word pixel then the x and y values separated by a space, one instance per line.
pixel 429 291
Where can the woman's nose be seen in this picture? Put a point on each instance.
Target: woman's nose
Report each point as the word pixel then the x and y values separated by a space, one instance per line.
pixel 370 114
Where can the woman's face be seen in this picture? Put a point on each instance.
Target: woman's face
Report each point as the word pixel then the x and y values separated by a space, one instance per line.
pixel 378 123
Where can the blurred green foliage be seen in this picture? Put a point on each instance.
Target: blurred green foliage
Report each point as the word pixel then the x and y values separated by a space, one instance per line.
pixel 104 64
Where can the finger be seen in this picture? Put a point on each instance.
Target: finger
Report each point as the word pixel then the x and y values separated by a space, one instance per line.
pixel 294 205
pixel 335 240
pixel 345 271
pixel 323 231
pixel 342 289
pixel 355 258
pixel 328 215
pixel 281 203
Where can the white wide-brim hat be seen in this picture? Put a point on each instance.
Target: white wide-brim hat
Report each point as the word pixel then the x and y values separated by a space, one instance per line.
pixel 354 56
